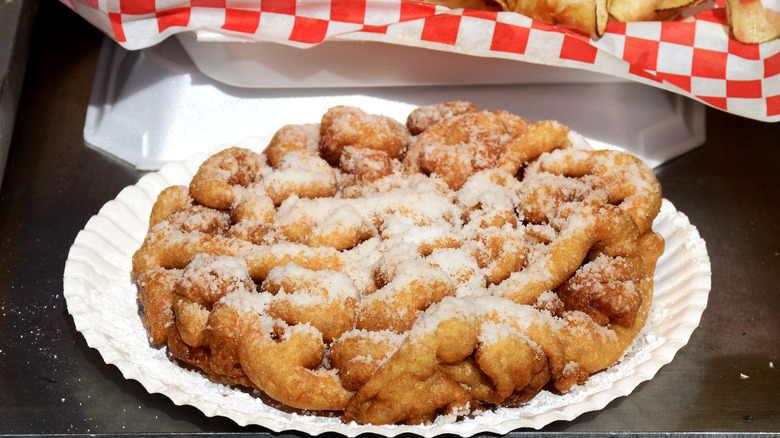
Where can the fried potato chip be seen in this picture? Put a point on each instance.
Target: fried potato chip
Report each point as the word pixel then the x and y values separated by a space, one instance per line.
pixel 633 10
pixel 677 5
pixel 648 10
pixel 479 5
pixel 589 16
pixel 752 22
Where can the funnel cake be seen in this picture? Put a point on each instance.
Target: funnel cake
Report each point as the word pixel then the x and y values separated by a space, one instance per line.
pixel 396 273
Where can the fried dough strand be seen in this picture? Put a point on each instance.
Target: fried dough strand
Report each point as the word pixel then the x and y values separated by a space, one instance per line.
pixel 396 273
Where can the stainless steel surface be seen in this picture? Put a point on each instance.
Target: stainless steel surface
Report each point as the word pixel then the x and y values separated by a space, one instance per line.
pixel 726 381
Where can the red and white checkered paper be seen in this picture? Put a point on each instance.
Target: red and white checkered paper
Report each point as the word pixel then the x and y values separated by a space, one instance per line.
pixel 693 56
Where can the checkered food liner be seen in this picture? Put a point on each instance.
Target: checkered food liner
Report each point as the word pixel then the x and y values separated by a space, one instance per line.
pixel 692 54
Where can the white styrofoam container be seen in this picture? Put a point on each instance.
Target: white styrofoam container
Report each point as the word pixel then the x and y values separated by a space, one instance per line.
pixel 157 105
pixel 348 63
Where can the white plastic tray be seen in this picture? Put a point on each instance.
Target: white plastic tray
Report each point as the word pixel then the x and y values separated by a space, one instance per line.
pixel 346 63
pixel 154 106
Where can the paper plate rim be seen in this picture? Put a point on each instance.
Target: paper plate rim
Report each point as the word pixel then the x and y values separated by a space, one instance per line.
pixel 104 248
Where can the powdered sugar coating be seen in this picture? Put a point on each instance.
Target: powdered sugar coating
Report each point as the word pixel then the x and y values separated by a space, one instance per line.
pixel 391 255
pixel 103 304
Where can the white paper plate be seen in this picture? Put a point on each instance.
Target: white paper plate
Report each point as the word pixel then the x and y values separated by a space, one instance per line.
pixel 102 301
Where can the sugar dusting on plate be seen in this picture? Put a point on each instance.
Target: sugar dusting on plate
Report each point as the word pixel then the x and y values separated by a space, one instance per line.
pixel 102 300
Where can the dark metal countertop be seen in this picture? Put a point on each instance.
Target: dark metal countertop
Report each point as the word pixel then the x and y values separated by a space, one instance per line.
pixel 726 380
pixel 16 21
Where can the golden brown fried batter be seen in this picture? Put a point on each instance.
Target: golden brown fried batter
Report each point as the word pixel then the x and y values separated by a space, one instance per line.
pixel 397 273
